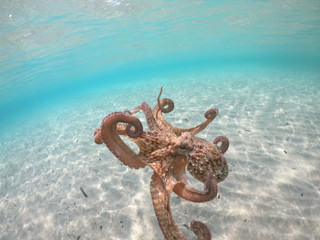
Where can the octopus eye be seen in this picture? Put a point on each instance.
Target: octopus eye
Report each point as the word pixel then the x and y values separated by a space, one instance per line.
pixel 184 147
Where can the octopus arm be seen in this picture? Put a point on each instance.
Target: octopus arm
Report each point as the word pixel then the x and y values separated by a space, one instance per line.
pixel 97 136
pixel 209 115
pixel 201 230
pixel 161 202
pixel 189 193
pixel 166 105
pixel 145 108
pixel 157 113
pixel 115 144
pixel 224 143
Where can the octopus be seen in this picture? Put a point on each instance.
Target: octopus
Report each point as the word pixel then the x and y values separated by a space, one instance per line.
pixel 169 151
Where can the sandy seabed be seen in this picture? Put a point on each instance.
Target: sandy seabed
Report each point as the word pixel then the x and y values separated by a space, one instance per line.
pixel 272 192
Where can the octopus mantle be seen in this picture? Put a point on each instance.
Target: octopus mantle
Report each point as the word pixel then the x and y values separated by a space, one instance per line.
pixel 169 151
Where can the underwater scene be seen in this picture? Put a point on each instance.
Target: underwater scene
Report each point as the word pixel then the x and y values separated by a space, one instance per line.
pixel 160 119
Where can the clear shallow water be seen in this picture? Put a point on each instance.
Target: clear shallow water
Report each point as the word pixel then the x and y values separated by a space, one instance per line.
pixel 64 66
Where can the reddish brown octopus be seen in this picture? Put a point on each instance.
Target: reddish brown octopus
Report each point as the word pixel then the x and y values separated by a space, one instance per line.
pixel 169 151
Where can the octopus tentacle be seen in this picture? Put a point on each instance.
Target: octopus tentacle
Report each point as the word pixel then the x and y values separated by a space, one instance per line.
pixel 201 230
pixel 189 193
pixel 161 202
pixel 209 115
pixel 145 108
pixel 166 105
pixel 160 108
pixel 224 143
pixel 114 142
pixel 97 136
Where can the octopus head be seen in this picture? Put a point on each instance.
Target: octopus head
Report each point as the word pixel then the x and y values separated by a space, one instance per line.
pixel 183 144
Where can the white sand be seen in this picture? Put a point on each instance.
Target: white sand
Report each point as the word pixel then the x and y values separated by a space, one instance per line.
pixel 272 192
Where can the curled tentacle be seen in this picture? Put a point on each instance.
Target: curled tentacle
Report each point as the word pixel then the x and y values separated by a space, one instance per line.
pixel 97 136
pixel 209 115
pixel 134 131
pixel 161 202
pixel 201 230
pixel 224 143
pixel 189 193
pixel 160 108
pixel 114 142
pixel 166 105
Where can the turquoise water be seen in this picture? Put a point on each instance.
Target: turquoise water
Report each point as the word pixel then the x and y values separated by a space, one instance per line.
pixel 65 65
pixel 52 51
